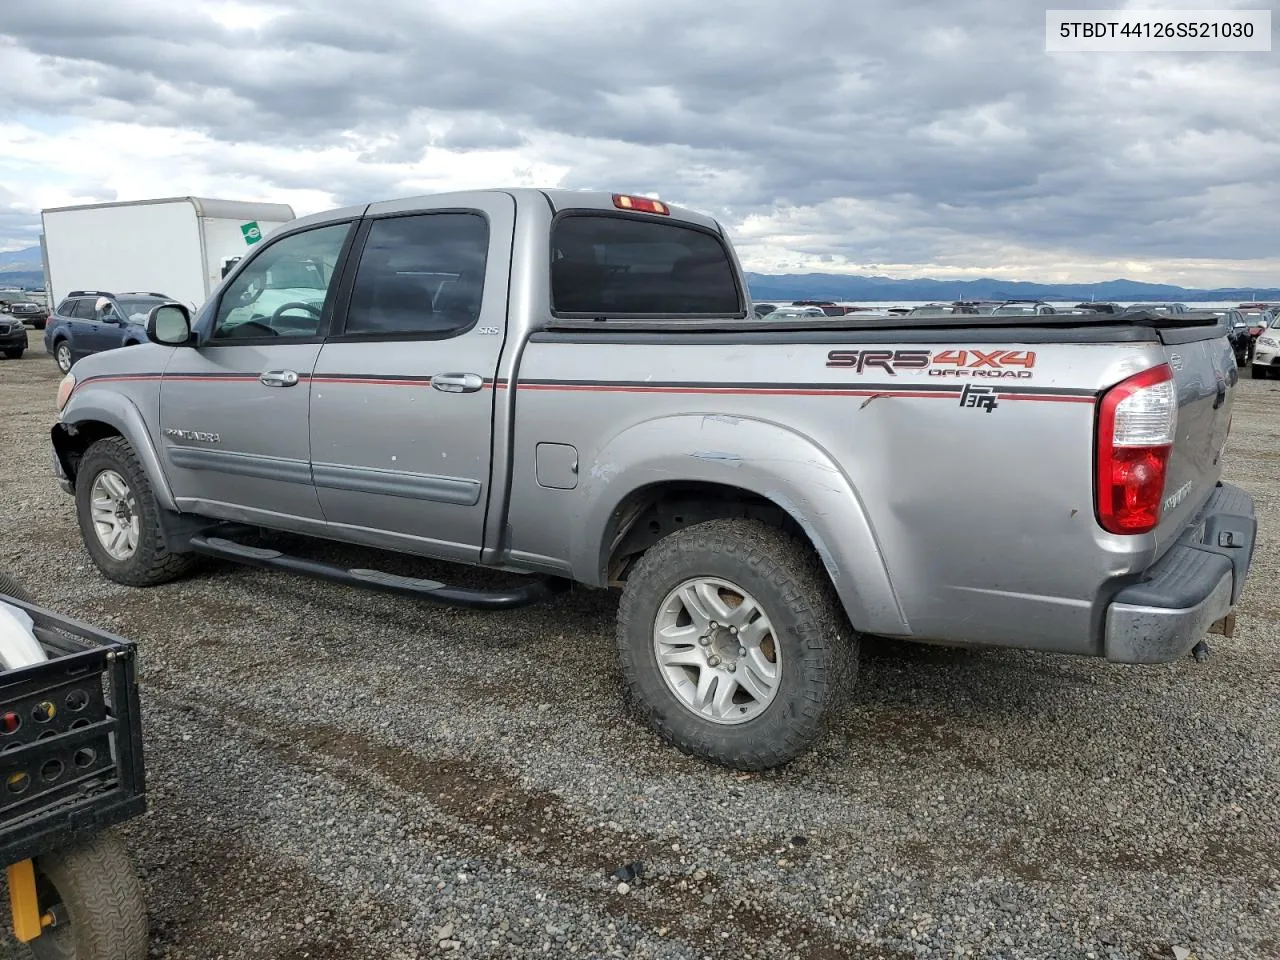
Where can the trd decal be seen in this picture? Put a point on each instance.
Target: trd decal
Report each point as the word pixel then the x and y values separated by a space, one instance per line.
pixel 890 361
pixel 1003 364
pixel 983 398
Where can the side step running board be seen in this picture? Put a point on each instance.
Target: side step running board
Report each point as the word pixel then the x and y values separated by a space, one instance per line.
pixel 376 580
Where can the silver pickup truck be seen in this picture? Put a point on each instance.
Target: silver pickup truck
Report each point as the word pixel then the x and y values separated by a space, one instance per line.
pixel 573 385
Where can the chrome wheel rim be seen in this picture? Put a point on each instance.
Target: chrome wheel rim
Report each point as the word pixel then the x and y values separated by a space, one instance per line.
pixel 115 515
pixel 717 651
pixel 64 357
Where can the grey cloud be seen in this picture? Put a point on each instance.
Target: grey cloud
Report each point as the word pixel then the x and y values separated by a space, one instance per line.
pixel 948 119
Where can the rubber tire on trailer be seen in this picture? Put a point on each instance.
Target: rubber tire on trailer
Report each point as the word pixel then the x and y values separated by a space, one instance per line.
pixel 12 588
pixel 818 647
pixel 57 356
pixel 104 903
pixel 15 354
pixel 151 563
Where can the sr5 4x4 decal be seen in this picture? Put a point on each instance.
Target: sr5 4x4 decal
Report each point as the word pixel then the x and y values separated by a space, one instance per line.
pixel 970 362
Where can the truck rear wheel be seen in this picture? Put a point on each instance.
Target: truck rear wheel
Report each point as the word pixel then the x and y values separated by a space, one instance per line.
pixel 731 638
pixel 97 899
pixel 120 519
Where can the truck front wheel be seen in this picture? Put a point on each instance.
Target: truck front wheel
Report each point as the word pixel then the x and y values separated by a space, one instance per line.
pixel 731 639
pixel 120 519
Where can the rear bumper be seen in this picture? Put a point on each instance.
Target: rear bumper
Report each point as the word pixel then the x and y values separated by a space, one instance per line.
pixel 1196 583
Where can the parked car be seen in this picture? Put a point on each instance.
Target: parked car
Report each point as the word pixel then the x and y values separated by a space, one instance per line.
pixel 13 337
pixel 764 309
pixel 91 321
pixel 980 307
pixel 943 310
pixel 1266 351
pixel 28 311
pixel 782 312
pixel 1165 309
pixel 1022 308
pixel 1239 336
pixel 589 400
pixel 1257 319
pixel 1100 306
pixel 828 307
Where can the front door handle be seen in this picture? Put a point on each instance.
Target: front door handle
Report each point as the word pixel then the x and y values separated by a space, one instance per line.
pixel 279 378
pixel 457 382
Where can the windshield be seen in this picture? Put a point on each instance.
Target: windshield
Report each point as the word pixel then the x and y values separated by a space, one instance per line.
pixel 137 310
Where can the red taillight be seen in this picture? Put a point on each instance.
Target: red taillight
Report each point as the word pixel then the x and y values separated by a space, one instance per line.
pixel 1137 422
pixel 640 204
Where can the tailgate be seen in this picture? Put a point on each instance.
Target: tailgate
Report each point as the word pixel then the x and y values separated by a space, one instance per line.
pixel 1205 374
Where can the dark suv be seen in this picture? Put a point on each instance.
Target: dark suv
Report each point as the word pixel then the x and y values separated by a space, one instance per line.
pixel 13 336
pixel 90 321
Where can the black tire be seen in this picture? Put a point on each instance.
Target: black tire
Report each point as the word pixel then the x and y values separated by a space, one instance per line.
pixel 151 562
pixel 102 899
pixel 1258 373
pixel 817 646
pixel 10 587
pixel 15 354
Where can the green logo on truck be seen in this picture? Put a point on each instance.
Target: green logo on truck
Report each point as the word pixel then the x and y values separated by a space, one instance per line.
pixel 252 232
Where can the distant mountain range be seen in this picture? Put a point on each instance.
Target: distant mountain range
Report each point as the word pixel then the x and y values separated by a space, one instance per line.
pixel 20 259
pixel 23 268
pixel 837 286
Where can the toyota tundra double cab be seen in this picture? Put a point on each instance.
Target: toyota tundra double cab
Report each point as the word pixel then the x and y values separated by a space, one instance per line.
pixel 573 386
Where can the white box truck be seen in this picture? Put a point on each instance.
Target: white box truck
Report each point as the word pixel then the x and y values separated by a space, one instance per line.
pixel 179 246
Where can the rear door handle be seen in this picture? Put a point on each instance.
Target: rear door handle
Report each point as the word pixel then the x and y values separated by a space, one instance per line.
pixel 279 378
pixel 457 382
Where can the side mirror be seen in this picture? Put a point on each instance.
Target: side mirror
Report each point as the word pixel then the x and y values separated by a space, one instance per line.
pixel 169 325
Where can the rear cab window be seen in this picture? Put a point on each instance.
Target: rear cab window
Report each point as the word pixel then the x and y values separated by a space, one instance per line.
pixel 615 265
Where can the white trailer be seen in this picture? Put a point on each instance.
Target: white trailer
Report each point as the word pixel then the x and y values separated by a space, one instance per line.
pixel 178 246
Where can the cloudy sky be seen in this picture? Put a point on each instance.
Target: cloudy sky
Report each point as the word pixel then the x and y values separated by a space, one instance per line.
pixel 899 137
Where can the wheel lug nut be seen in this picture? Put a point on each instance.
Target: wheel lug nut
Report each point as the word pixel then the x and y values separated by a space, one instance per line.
pixel 705 641
pixel 732 667
pixel 714 661
pixel 734 631
pixel 714 625
pixel 742 651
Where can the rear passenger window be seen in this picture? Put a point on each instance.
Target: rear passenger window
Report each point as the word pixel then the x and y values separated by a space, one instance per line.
pixel 616 266
pixel 83 309
pixel 64 308
pixel 421 275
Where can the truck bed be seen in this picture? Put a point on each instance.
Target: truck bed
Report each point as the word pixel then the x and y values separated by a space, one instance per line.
pixel 1051 328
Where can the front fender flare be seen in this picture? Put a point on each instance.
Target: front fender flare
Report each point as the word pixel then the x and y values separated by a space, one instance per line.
pixel 763 458
pixel 122 415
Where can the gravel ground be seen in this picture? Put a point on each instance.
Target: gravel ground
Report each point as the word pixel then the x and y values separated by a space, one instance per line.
pixel 337 774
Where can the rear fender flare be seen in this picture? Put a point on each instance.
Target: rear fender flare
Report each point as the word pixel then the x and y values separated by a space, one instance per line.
pixel 757 456
pixel 118 412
